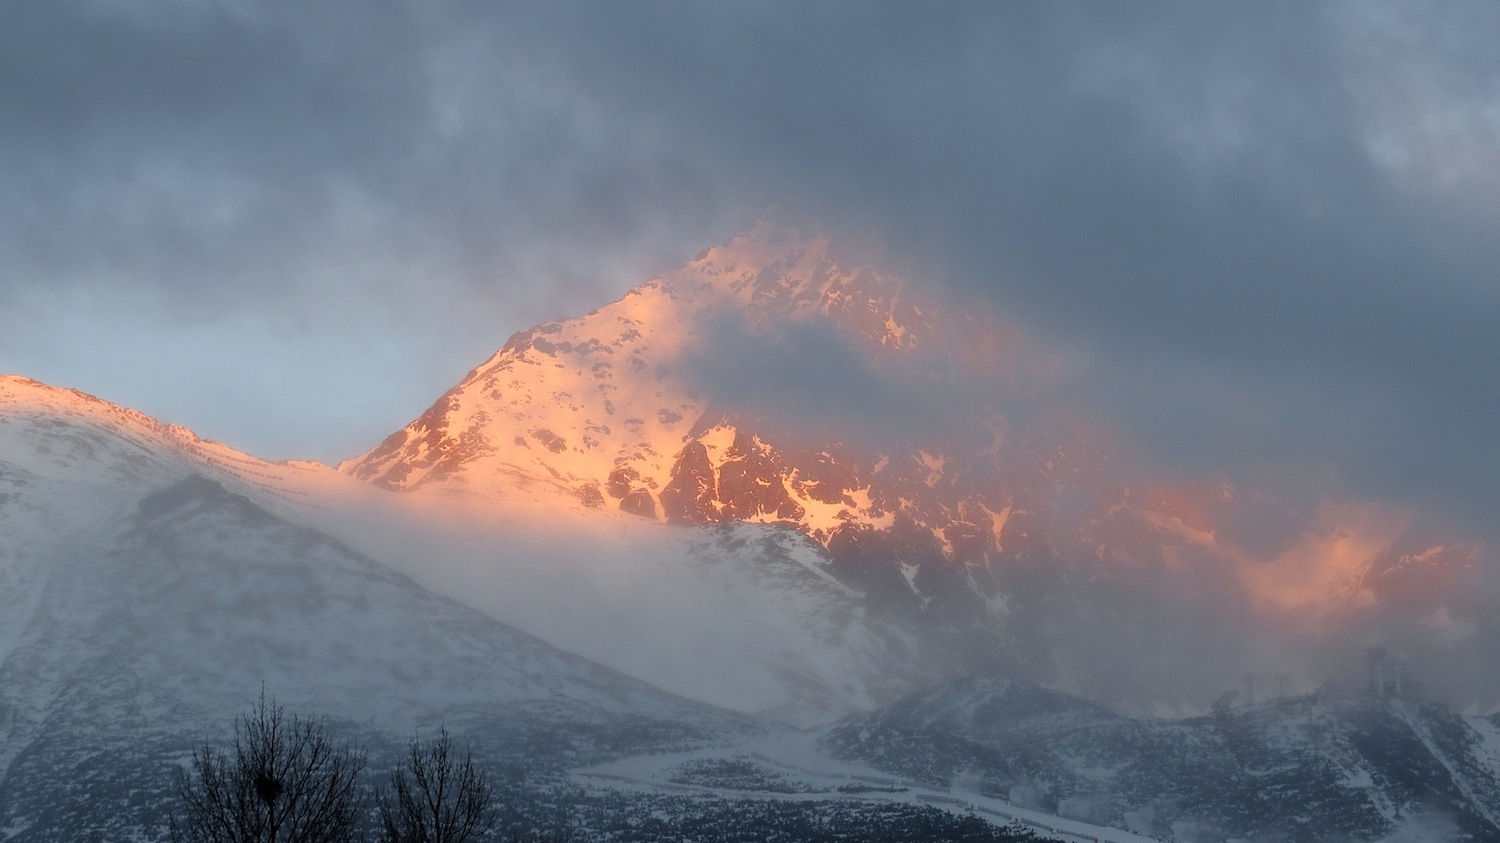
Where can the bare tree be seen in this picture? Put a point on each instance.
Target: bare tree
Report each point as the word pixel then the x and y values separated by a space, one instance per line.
pixel 436 797
pixel 284 782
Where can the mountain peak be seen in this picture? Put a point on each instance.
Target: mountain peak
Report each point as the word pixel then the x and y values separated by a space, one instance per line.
pixel 599 402
pixel 776 272
pixel 773 380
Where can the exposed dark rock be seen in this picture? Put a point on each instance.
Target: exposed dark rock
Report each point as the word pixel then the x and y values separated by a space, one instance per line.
pixel 621 481
pixel 689 497
pixel 639 502
pixel 551 441
pixel 590 495
pixel 750 481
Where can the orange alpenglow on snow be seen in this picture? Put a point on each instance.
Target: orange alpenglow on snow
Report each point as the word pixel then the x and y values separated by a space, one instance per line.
pixel 613 411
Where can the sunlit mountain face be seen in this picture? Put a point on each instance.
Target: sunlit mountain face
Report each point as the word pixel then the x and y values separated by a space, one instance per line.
pixel 923 444
pixel 746 616
pixel 771 489
pixel 922 448
pixel 152 582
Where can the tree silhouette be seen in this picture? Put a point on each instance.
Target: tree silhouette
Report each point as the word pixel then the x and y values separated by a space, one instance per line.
pixel 283 782
pixel 436 797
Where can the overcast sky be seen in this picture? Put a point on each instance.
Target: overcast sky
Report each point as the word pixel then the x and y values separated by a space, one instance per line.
pixel 1267 228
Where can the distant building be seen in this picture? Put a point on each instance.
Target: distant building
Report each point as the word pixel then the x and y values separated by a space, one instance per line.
pixel 1390 676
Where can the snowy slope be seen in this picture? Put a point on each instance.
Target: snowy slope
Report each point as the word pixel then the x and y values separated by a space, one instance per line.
pixel 145 630
pixel 783 767
pixel 66 434
pixel 747 617
pixel 154 583
pixel 1309 768
pixel 604 403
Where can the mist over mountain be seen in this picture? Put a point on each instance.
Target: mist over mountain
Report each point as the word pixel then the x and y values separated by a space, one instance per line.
pixel 945 461
pixel 145 603
pixel 774 490
pixel 1096 435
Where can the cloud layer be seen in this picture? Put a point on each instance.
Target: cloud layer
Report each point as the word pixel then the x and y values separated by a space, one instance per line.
pixel 1264 227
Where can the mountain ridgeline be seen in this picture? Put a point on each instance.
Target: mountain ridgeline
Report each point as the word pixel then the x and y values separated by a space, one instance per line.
pixel 776 546
pixel 925 447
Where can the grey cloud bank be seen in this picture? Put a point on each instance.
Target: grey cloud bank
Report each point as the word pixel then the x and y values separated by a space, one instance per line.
pixel 1264 227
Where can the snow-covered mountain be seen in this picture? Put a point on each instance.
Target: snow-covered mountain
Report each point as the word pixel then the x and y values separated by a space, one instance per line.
pixel 132 639
pixel 743 616
pixel 626 407
pixel 770 483
pixel 774 379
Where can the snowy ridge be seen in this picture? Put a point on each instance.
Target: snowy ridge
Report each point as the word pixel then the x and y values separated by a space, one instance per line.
pixel 66 434
pixel 1305 768
pixel 746 617
pixel 602 405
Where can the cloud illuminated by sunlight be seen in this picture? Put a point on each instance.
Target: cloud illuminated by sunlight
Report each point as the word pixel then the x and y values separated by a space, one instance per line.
pixel 1329 557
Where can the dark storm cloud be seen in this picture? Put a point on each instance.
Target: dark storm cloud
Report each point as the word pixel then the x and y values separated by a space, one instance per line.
pixel 826 385
pixel 1196 193
pixel 1265 224
pixel 185 150
pixel 281 153
pixel 354 203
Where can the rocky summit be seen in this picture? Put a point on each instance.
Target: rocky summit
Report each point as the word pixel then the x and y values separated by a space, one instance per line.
pixel 777 379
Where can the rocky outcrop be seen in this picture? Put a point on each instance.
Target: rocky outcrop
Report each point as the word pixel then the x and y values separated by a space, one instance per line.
pixel 692 495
